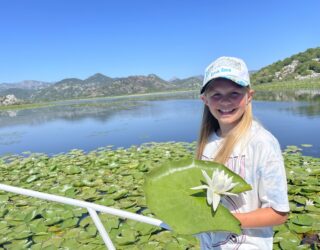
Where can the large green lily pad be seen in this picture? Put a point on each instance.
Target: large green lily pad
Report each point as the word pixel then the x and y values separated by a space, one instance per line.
pixel 168 195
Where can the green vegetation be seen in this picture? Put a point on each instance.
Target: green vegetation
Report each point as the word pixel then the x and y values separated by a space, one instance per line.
pixel 293 85
pixel 27 106
pixel 300 65
pixel 293 90
pixel 115 178
pixel 90 102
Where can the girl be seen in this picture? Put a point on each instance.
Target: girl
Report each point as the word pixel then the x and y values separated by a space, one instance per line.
pixel 230 136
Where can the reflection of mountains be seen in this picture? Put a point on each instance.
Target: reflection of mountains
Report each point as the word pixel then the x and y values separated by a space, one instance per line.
pixel 309 110
pixel 299 95
pixel 311 98
pixel 73 111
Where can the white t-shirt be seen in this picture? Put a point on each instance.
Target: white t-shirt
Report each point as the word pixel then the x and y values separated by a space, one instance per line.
pixel 258 159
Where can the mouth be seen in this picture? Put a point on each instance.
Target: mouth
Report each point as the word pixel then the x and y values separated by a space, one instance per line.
pixel 226 111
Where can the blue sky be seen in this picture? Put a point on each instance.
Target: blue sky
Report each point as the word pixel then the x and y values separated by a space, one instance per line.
pixel 50 40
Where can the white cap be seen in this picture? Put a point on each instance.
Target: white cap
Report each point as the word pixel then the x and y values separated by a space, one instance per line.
pixel 231 68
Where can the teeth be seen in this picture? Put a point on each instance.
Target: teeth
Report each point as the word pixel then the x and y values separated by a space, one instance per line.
pixel 226 110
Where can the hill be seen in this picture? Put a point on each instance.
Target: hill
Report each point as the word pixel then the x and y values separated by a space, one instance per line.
pixel 301 66
pixel 22 90
pixel 100 85
pixel 97 85
pixel 299 69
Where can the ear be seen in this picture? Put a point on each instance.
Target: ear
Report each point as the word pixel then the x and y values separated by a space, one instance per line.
pixel 204 99
pixel 250 95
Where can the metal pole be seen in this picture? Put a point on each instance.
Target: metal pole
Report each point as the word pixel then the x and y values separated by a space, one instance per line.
pixel 84 204
pixel 101 229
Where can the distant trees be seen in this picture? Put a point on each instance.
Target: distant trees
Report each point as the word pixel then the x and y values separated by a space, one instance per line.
pixel 315 66
pixel 301 64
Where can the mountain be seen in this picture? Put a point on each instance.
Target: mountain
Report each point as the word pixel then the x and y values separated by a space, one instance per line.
pixel 304 65
pixel 29 84
pixel 193 82
pixel 99 78
pixel 100 85
pixel 22 90
pixel 301 66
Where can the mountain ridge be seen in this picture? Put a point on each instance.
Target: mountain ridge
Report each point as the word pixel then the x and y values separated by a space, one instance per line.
pixel 301 66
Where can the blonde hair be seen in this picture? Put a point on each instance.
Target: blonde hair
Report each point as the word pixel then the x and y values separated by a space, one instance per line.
pixel 210 125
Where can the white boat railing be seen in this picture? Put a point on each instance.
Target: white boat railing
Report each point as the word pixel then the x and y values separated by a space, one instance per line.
pixel 92 209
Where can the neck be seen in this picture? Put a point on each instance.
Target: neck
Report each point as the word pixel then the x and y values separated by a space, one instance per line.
pixel 226 129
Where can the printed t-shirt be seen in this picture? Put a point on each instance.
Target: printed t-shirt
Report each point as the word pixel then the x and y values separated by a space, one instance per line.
pixel 258 159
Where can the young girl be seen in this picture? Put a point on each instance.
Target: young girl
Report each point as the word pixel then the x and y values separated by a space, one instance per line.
pixel 229 135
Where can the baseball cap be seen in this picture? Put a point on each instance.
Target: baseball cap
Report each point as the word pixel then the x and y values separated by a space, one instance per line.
pixel 231 68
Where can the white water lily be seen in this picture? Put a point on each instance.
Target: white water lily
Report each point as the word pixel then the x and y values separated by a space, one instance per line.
pixel 219 185
pixel 309 202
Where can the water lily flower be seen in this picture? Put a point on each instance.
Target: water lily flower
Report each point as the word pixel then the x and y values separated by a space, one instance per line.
pixel 219 185
pixel 309 202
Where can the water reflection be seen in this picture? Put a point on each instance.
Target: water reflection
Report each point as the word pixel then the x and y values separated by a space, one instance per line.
pixel 72 113
pixel 123 121
pixel 77 110
pixel 299 95
pixel 8 138
pixel 307 109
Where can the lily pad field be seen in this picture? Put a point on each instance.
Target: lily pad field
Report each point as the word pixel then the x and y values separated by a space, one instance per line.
pixel 115 178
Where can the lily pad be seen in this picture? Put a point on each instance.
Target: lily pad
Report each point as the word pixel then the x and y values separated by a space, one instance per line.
pixel 290 240
pixel 303 220
pixel 170 198
pixel 299 228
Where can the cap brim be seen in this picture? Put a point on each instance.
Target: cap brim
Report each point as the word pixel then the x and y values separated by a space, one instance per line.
pixel 240 83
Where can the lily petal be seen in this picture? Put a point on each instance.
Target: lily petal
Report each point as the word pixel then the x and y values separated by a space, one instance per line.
pixel 205 175
pixel 216 201
pixel 228 182
pixel 232 185
pixel 210 196
pixel 200 187
pixel 215 176
pixel 230 194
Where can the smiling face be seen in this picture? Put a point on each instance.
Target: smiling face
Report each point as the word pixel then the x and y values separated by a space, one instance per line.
pixel 227 102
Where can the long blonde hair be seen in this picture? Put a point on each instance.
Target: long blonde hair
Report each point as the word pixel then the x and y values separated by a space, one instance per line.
pixel 210 125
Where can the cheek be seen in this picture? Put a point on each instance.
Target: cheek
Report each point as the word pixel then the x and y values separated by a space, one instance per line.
pixel 212 103
pixel 243 101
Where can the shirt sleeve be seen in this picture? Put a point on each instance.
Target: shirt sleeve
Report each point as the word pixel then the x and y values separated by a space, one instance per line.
pixel 272 179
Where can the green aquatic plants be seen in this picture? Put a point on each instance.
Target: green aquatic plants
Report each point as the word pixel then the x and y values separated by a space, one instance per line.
pixel 170 197
pixel 302 230
pixel 111 177
pixel 115 178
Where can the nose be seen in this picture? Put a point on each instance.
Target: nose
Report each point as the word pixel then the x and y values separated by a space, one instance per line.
pixel 225 99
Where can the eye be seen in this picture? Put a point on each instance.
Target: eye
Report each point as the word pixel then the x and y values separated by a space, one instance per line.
pixel 235 94
pixel 215 95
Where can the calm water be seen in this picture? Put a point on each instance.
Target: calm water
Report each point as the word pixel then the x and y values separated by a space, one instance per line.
pixel 124 122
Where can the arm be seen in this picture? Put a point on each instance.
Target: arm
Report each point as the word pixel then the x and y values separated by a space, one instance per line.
pixel 262 217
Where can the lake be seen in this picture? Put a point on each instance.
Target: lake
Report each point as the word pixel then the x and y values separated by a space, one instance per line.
pixel 127 121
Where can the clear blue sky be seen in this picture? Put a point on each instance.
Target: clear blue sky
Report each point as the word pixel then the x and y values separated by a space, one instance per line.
pixel 50 40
